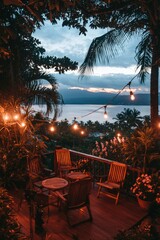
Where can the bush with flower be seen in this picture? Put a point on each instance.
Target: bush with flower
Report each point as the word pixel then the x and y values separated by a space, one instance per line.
pixel 146 187
pixel 111 149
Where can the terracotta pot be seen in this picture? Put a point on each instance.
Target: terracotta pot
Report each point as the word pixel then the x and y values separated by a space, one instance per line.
pixel 144 203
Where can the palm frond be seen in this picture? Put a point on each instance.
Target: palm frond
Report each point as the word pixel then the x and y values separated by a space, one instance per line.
pixel 34 77
pixel 144 56
pixel 35 92
pixel 102 49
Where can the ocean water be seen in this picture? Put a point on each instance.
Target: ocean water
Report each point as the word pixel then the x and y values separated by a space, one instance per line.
pixel 86 112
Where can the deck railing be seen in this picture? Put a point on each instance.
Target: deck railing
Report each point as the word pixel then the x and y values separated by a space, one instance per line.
pixel 98 167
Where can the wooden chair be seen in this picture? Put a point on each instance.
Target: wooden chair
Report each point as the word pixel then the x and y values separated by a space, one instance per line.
pixel 77 199
pixel 62 163
pixel 115 180
pixel 37 172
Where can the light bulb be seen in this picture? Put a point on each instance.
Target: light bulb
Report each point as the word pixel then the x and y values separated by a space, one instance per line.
pixel 23 124
pixel 132 96
pixel 6 117
pixel 75 126
pixel 16 116
pixel 52 129
pixel 82 132
pixel 105 115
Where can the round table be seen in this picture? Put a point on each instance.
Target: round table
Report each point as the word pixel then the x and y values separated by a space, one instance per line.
pixel 55 183
pixel 77 175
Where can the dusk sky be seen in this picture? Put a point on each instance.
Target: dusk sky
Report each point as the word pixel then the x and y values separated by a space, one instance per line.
pixel 62 41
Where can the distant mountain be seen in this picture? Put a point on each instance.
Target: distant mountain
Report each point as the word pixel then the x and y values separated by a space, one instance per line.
pixel 73 96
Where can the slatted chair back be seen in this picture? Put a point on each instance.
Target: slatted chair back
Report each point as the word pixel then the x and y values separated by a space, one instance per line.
pixel 63 157
pixel 112 186
pixel 35 168
pixel 77 198
pixel 63 164
pixel 117 172
pixel 78 194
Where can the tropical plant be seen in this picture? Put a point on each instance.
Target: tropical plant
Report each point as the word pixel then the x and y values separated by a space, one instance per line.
pixel 10 228
pixel 141 146
pixel 18 142
pixel 23 72
pixel 127 121
pixel 111 149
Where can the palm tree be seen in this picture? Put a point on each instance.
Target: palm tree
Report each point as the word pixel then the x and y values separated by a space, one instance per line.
pixel 22 73
pixel 41 89
pixel 128 120
pixel 125 19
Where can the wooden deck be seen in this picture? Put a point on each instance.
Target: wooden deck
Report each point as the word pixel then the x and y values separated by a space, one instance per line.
pixel 108 219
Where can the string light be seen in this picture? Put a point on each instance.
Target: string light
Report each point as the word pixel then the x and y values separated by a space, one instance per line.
pixel 105 113
pixel 23 124
pixel 6 117
pixel 16 117
pixel 132 96
pixel 52 128
pixel 118 135
pixel 75 125
pixel 128 84
pixel 131 92
pixel 82 132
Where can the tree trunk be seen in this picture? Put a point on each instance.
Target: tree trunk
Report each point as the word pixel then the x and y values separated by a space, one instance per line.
pixel 154 88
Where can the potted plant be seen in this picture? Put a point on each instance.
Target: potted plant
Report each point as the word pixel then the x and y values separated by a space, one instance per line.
pixel 145 188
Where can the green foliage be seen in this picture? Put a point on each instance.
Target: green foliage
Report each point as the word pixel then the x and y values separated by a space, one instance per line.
pixel 9 227
pixel 111 149
pixel 146 187
pixel 128 120
pixel 23 75
pixel 17 144
pixel 141 147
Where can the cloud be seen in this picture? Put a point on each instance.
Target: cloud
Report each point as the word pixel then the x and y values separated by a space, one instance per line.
pixel 60 41
pixel 112 77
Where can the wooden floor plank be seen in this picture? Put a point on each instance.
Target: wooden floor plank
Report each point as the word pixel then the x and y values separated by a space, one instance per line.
pixel 108 219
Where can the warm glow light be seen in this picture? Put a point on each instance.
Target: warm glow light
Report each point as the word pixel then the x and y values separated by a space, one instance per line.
pixel 119 137
pixel 23 124
pixel 159 125
pixel 75 126
pixel 82 132
pixel 52 129
pixel 105 115
pixel 132 96
pixel 16 116
pixel 6 117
